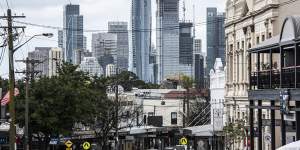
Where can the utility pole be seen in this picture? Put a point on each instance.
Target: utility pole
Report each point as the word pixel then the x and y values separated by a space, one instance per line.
pixel 29 73
pixel 2 108
pixel 12 131
pixel 184 112
pixel 117 109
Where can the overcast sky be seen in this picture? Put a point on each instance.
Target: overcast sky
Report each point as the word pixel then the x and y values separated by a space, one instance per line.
pixel 96 14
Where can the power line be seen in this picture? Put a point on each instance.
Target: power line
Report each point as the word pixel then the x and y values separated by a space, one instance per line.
pixel 146 30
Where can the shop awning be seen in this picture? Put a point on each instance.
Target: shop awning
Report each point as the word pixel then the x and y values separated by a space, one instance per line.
pixel 204 130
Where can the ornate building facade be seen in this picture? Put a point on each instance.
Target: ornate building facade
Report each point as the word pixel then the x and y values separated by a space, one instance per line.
pixel 247 24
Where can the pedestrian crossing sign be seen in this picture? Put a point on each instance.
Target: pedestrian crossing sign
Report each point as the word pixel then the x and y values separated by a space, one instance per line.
pixel 183 141
pixel 86 145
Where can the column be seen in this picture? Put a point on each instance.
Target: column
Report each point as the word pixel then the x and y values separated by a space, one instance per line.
pixel 283 129
pixel 259 119
pixel 251 123
pixel 273 146
pixel 297 120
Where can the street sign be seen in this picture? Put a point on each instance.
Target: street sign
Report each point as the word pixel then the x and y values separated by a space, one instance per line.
pixel 183 141
pixel 68 144
pixel 86 145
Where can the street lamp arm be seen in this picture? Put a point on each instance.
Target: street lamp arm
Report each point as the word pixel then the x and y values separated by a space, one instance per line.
pixel 44 34
pixel 15 49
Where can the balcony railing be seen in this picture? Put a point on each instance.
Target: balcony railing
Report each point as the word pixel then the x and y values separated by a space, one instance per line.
pixel 270 79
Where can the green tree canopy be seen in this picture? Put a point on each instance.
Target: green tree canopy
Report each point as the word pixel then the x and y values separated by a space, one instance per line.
pixel 58 102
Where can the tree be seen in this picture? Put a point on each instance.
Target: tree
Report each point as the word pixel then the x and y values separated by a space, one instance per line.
pixel 187 83
pixel 106 119
pixel 128 80
pixel 234 131
pixel 58 102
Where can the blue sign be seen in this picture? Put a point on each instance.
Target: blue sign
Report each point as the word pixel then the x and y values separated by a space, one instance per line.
pixel 54 141
pixel 4 138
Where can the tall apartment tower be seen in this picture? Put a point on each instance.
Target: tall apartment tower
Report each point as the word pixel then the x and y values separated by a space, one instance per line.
pixel 60 37
pixel 55 60
pixel 168 47
pixel 140 42
pixel 104 48
pixel 121 30
pixel 49 57
pixel 73 31
pixel 41 54
pixel 215 34
pixel 186 43
pixel 198 64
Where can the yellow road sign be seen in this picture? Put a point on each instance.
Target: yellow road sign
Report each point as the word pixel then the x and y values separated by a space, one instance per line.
pixel 183 141
pixel 68 143
pixel 86 145
pixel 68 148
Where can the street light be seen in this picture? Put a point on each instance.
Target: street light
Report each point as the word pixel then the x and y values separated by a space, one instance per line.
pixel 49 35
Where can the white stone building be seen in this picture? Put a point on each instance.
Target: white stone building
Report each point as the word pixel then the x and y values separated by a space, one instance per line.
pixel 154 102
pixel 217 91
pixel 91 66
pixel 248 23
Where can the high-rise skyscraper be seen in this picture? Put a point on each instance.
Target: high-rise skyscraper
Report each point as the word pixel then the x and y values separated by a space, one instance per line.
pixel 198 64
pixel 60 37
pixel 50 58
pixel 185 43
pixel 85 43
pixel 41 54
pixel 55 60
pixel 215 35
pixel 91 66
pixel 104 48
pixel 73 31
pixel 121 30
pixel 140 42
pixel 198 46
pixel 168 47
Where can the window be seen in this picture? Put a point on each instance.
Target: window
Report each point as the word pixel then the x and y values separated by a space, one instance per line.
pixel 263 38
pixel 150 113
pixel 257 40
pixel 243 44
pixel 270 35
pixel 174 118
pixel 238 45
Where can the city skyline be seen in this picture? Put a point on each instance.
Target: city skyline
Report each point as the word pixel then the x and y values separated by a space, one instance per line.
pixel 118 13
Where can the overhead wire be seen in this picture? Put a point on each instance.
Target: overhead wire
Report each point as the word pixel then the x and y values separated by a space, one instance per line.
pixel 146 30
